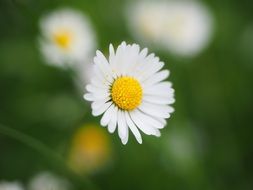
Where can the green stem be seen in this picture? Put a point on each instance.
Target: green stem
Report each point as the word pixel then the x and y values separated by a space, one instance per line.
pixel 55 159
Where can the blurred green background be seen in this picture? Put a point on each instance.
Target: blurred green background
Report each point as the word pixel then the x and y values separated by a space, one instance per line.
pixel 207 143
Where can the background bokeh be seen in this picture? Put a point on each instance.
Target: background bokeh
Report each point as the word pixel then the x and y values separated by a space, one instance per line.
pixel 207 143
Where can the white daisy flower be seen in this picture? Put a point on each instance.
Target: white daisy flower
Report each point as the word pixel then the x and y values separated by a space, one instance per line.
pixel 67 37
pixel 48 181
pixel 130 91
pixel 181 27
pixel 10 186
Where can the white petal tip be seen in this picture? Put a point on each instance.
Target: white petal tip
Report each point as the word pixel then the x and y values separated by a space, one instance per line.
pixel 157 133
pixel 171 110
pixel 111 130
pixel 103 124
pixel 139 141
pixel 87 97
pixel 123 44
pixel 163 126
pixel 95 113
pixel 124 142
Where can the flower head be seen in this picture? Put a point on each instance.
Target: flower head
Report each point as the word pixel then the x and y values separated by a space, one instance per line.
pixel 130 91
pixel 181 27
pixel 66 37
pixel 10 186
pixel 90 149
pixel 48 181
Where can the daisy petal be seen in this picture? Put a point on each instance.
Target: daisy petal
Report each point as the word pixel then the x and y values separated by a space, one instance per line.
pixel 94 89
pixel 98 103
pixel 96 96
pixel 158 100
pixel 164 86
pixel 155 109
pixel 88 97
pixel 133 128
pixel 107 116
pixel 122 127
pixel 125 139
pixel 144 127
pixel 112 53
pixel 144 52
pixel 151 68
pixel 113 122
pixel 157 77
pixel 101 109
pixel 148 119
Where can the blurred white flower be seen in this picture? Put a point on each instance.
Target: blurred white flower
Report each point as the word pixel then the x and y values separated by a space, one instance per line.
pixel 130 91
pixel 83 74
pixel 182 27
pixel 10 186
pixel 67 37
pixel 183 147
pixel 48 181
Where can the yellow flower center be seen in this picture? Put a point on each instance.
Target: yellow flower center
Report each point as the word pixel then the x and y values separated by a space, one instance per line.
pixel 126 93
pixel 63 39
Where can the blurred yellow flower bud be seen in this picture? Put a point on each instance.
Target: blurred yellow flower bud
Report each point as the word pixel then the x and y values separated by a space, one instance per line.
pixel 90 149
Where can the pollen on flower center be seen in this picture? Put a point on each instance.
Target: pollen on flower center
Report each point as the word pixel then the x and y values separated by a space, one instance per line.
pixel 126 93
pixel 63 39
